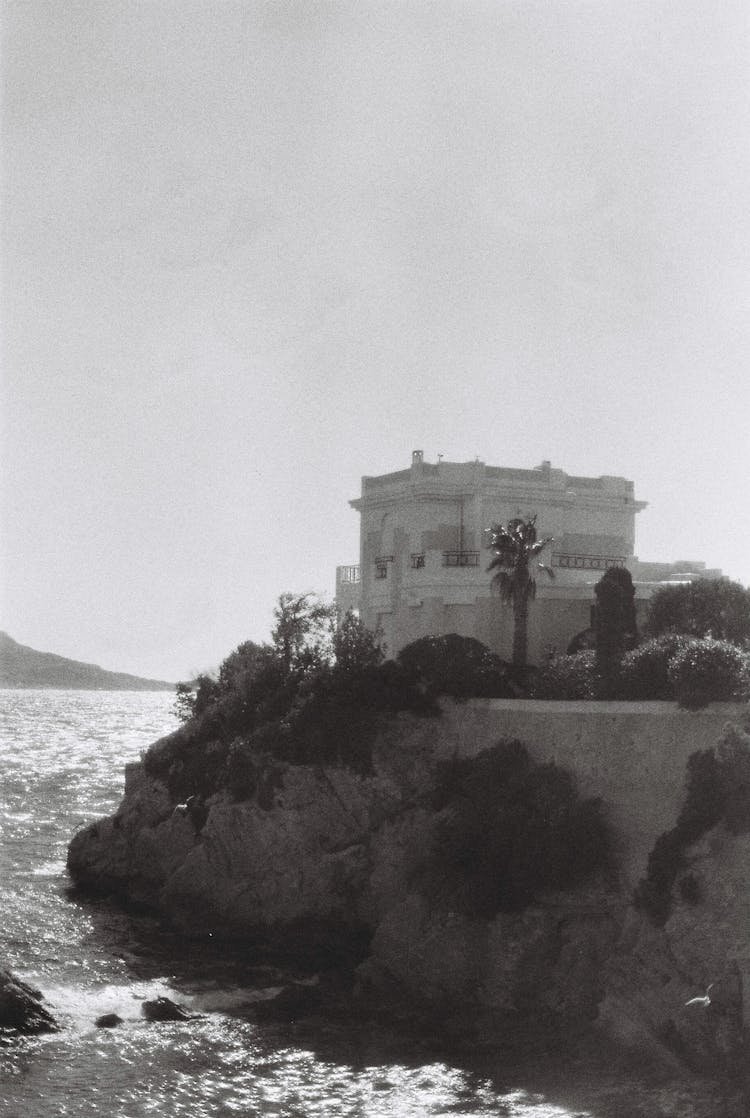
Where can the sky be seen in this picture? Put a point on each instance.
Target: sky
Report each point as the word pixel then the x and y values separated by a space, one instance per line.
pixel 253 251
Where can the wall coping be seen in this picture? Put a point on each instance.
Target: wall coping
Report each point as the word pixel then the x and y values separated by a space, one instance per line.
pixel 592 707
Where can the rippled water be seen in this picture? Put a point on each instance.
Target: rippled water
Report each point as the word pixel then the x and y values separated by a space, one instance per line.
pixel 61 764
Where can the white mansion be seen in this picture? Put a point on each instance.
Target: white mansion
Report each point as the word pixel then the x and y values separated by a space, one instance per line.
pixel 424 555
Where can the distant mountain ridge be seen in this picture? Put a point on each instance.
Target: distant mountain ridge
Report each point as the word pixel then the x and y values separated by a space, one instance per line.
pixel 21 666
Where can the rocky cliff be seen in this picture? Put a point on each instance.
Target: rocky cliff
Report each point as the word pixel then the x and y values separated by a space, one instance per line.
pixel 326 858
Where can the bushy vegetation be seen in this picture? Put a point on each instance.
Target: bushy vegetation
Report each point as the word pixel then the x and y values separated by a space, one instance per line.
pixel 567 677
pixel 697 649
pixel 717 791
pixel 705 671
pixel 670 667
pixel 511 829
pixel 456 666
pixel 717 608
pixel 312 696
pixel 644 672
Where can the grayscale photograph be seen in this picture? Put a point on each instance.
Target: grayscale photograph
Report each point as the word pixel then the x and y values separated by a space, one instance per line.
pixel 374 559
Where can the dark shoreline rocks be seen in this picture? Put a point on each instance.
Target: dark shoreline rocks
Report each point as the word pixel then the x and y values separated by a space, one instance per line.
pixel 164 1009
pixel 21 1006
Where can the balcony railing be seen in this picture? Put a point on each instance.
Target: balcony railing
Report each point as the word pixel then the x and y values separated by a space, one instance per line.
pixel 460 558
pixel 588 562
pixel 349 574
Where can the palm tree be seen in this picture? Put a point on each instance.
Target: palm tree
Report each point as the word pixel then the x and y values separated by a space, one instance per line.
pixel 516 549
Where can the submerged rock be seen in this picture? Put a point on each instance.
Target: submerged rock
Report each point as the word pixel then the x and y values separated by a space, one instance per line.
pixel 21 1006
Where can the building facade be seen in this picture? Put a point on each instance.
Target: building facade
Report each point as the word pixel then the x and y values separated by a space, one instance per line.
pixel 424 551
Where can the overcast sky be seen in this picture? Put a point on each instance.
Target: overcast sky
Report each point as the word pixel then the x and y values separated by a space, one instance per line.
pixel 253 251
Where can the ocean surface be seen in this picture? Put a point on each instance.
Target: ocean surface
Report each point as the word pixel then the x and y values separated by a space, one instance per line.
pixel 61 765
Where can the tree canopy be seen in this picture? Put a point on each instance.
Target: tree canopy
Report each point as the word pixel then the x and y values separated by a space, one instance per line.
pixel 515 562
pixel 715 607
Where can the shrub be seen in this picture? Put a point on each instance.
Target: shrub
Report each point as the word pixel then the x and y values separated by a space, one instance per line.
pixel 705 799
pixel 251 770
pixel 184 701
pixel 718 790
pixel 355 648
pixel 705 607
pixel 456 666
pixel 288 703
pixel 188 765
pixel 511 829
pixel 734 759
pixel 644 672
pixel 707 671
pixel 244 662
pixel 567 677
pixel 690 889
pixel 193 699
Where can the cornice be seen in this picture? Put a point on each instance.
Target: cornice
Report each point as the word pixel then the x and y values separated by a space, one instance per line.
pixel 431 492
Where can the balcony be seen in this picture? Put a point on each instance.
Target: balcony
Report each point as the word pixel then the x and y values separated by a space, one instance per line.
pixel 460 558
pixel 588 562
pixel 349 574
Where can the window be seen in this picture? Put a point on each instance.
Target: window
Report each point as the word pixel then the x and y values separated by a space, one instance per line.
pixel 460 558
pixel 381 565
pixel 417 561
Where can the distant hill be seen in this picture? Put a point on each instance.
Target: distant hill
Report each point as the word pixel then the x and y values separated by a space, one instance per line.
pixel 25 667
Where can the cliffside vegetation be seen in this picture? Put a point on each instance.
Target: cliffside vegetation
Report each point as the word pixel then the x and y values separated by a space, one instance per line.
pixel 311 696
pixel 718 791
pixel 510 829
pixel 314 695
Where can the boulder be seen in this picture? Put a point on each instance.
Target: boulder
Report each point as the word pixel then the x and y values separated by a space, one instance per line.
pixel 108 1021
pixel 164 1009
pixel 21 1006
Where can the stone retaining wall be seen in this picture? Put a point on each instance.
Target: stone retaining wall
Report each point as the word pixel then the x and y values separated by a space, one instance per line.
pixel 632 755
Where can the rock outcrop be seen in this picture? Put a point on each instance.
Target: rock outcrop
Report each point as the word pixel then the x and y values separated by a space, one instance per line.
pixel 22 1007
pixel 164 1009
pixel 326 849
pixel 683 990
pixel 327 860
pixel 326 856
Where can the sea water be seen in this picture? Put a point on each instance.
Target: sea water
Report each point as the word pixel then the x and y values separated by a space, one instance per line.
pixel 62 756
